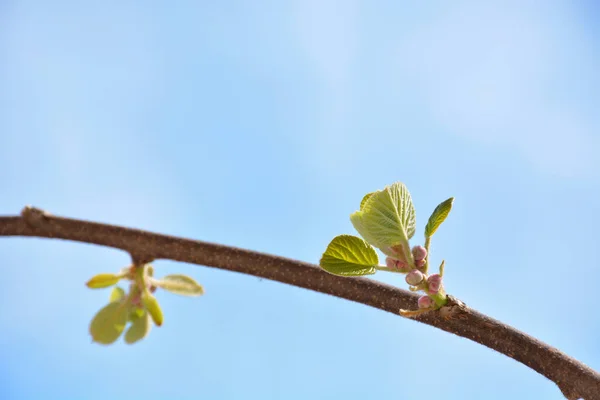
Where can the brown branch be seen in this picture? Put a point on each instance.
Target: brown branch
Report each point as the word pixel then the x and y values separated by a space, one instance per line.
pixel 575 379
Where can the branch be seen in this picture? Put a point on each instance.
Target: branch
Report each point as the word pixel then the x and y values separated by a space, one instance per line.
pixel 575 379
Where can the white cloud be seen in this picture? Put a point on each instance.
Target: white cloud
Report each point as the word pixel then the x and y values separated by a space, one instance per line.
pixel 502 76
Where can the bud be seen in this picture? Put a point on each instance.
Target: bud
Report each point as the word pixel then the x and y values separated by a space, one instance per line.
pixel 396 264
pixel 435 283
pixel 425 302
pixel 419 263
pixel 391 262
pixel 419 253
pixel 414 277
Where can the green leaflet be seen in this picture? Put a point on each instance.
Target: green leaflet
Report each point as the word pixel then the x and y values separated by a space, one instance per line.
pixel 139 328
pixel 438 216
pixel 386 218
pixel 153 308
pixel 116 294
pixel 108 324
pixel 103 280
pixel 180 284
pixel 349 255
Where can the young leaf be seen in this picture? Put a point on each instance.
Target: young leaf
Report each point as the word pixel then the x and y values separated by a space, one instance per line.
pixel 103 280
pixel 349 255
pixel 153 308
pixel 404 207
pixel 138 330
pixel 116 294
pixel 364 200
pixel 438 216
pixel 180 284
pixel 108 324
pixel 387 218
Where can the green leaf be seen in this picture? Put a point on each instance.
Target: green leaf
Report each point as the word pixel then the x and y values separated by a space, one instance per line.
pixel 364 200
pixel 138 330
pixel 180 284
pixel 438 216
pixel 116 294
pixel 387 218
pixel 103 280
pixel 153 308
pixel 108 324
pixel 349 255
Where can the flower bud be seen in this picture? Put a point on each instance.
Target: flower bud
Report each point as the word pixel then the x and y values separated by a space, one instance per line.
pixel 419 263
pixel 435 283
pixel 414 277
pixel 425 302
pixel 391 262
pixel 396 264
pixel 419 253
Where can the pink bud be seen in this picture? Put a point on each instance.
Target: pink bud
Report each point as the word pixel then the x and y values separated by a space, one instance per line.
pixel 435 283
pixel 419 253
pixel 396 264
pixel 414 277
pixel 425 302
pixel 419 263
pixel 391 262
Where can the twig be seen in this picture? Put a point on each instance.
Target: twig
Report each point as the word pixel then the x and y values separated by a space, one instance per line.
pixel 575 379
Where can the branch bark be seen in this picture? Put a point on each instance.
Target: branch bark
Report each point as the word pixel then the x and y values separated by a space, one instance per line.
pixel 575 379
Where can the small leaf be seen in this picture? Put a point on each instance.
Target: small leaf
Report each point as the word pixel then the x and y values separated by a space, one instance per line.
pixel 138 330
pixel 116 294
pixel 438 216
pixel 103 280
pixel 387 218
pixel 108 324
pixel 153 308
pixel 180 284
pixel 349 255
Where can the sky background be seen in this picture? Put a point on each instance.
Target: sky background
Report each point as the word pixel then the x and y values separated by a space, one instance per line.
pixel 261 125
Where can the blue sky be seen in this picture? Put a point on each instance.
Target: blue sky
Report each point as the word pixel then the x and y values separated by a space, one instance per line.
pixel 262 126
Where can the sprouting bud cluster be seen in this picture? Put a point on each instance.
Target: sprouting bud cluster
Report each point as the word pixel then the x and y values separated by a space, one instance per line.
pixel 136 308
pixel 416 275
pixel 386 221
